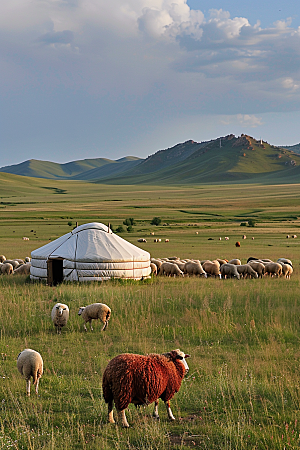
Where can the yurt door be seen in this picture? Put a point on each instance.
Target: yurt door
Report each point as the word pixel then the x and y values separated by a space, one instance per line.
pixel 55 273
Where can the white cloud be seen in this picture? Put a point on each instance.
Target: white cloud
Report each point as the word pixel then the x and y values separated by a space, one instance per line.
pixel 249 120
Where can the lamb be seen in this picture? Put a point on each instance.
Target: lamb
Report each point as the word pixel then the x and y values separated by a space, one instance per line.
pixel 258 266
pixel 30 364
pixel 229 271
pixel 168 268
pixel 142 380
pixel 273 269
pixel 194 268
pixel 212 268
pixel 60 316
pixel 23 269
pixel 7 268
pixel 95 311
pixel 236 262
pixel 287 270
pixel 245 270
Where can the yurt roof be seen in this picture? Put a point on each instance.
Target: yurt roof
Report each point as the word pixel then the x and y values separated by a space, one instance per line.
pixel 91 242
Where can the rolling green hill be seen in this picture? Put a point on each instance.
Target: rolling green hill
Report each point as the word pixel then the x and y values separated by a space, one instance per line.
pixel 229 159
pixel 85 169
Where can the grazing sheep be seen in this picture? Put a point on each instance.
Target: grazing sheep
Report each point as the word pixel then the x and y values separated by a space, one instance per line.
pixel 142 380
pixel 259 267
pixel 226 238
pixel 180 264
pixel 13 262
pixel 288 236
pixel 27 259
pixel 167 240
pixel 236 262
pixel 273 269
pixel 229 271
pixel 20 261
pixel 23 269
pixel 252 258
pixel 30 364
pixel 237 244
pixel 245 270
pixel 157 262
pixel 7 268
pixel 60 316
pixel 194 268
pixel 141 240
pixel 168 268
pixel 153 268
pixel 212 268
pixel 222 261
pixel 244 236
pixel 95 311
pixel 285 261
pixel 287 269
pixel 2 258
pixel 294 236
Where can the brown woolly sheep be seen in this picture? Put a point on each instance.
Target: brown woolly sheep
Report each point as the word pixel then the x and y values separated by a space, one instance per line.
pixel 237 244
pixel 141 380
pixel 30 364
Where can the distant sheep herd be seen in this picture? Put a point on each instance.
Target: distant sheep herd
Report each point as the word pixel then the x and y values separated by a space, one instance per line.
pixel 14 266
pixel 222 268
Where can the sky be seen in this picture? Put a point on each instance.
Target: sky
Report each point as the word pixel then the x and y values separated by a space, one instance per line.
pixel 96 78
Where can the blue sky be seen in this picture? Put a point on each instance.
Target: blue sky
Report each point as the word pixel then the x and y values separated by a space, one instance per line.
pixel 91 78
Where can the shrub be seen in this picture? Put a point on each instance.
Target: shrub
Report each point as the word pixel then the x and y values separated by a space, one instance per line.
pixel 120 229
pixel 129 221
pixel 70 223
pixel 156 221
pixel 130 229
pixel 243 224
pixel 251 223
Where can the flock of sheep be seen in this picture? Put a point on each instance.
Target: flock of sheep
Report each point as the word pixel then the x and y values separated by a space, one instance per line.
pixel 222 268
pixel 14 266
pixel 128 378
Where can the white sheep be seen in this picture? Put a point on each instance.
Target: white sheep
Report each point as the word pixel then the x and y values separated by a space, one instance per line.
pixel 27 259
pixel 95 311
pixel 23 269
pixel 229 271
pixel 273 269
pixel 169 268
pixel 60 316
pixel 6 269
pixel 246 269
pixel 30 364
pixel 13 262
pixel 287 269
pixel 2 258
pixel 236 262
pixel 194 268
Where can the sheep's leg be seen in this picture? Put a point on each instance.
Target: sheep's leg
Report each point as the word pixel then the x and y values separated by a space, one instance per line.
pixel 28 387
pixel 122 418
pixel 170 414
pixel 105 325
pixel 37 386
pixel 155 411
pixel 111 413
pixel 92 329
pixel 85 328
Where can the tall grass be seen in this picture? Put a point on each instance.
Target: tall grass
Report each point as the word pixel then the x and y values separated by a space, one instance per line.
pixel 242 390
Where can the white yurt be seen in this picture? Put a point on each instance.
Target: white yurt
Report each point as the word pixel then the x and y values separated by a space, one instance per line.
pixel 91 252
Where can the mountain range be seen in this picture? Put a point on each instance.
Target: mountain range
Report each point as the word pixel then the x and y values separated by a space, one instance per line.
pixel 227 159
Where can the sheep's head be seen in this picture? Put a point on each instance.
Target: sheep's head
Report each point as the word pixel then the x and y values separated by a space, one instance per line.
pixel 60 309
pixel 81 309
pixel 178 354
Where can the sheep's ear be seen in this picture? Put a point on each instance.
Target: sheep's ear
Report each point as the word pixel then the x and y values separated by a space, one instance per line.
pixel 187 356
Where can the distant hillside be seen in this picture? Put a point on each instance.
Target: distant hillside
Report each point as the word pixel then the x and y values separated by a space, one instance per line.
pixel 294 148
pixel 228 159
pixel 85 169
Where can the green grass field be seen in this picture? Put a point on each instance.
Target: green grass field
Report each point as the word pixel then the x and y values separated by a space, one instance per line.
pixel 242 390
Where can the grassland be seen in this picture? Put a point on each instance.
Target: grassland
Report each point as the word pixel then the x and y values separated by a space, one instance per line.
pixel 242 391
